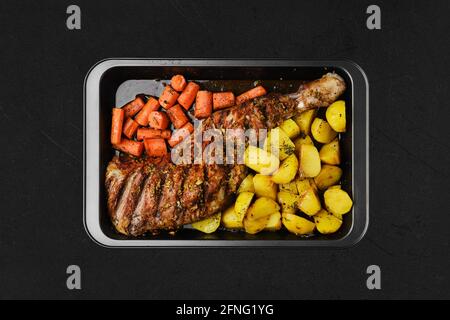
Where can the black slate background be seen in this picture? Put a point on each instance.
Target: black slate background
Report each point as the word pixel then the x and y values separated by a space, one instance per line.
pixel 42 68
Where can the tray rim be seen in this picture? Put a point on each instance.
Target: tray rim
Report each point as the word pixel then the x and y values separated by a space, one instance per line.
pixel 91 85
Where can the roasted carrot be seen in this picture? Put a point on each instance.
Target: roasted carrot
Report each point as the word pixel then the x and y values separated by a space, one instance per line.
pixel 203 104
pixel 177 116
pixel 129 128
pixel 142 117
pixel 168 97
pixel 148 133
pixel 116 125
pixel 158 120
pixel 132 147
pixel 133 107
pixel 223 100
pixel 178 82
pixel 179 134
pixel 155 147
pixel 152 103
pixel 188 95
pixel 250 94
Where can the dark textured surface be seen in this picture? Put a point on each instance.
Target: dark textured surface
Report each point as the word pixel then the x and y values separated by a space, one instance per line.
pixel 42 70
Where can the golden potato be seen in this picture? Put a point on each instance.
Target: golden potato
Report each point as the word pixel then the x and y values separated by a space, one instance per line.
pixel 247 184
pixel 322 132
pixel 339 216
pixel 302 140
pixel 335 115
pixel 288 201
pixel 262 207
pixel 231 220
pixel 264 186
pixel 304 120
pixel 253 226
pixel 279 144
pixel 287 170
pixel 290 128
pixel 328 176
pixel 298 225
pixel 274 223
pixel 208 225
pixel 309 161
pixel 337 201
pixel 305 184
pixel 313 185
pixel 260 160
pixel 330 153
pixel 327 223
pixel 309 202
pixel 290 187
pixel 335 187
pixel 242 203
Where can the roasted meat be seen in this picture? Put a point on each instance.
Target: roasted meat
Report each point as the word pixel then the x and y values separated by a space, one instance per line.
pixel 152 194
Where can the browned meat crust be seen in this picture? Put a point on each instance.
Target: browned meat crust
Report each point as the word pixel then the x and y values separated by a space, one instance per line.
pixel 147 196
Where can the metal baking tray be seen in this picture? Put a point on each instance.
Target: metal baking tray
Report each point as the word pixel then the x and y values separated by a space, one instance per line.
pixel 113 82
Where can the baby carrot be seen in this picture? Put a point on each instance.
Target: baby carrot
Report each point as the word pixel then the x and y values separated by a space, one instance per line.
pixel 152 103
pixel 132 147
pixel 188 95
pixel 133 107
pixel 142 117
pixel 250 94
pixel 177 116
pixel 203 104
pixel 158 120
pixel 178 82
pixel 168 97
pixel 148 133
pixel 116 125
pixel 223 100
pixel 155 147
pixel 179 134
pixel 129 128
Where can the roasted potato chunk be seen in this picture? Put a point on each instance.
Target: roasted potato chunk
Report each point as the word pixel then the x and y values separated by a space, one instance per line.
pixel 231 220
pixel 287 170
pixel 247 184
pixel 328 176
pixel 290 187
pixel 298 225
pixel 309 202
pixel 335 115
pixel 330 153
pixel 253 226
pixel 309 161
pixel 304 120
pixel 288 201
pixel 322 132
pixel 262 207
pixel 279 144
pixel 291 128
pixel 260 160
pixel 302 140
pixel 208 225
pixel 327 223
pixel 337 201
pixel 274 223
pixel 264 186
pixel 304 185
pixel 242 203
pixel 335 187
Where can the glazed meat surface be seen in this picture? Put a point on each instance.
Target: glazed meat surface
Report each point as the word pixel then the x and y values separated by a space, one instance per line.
pixel 152 194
